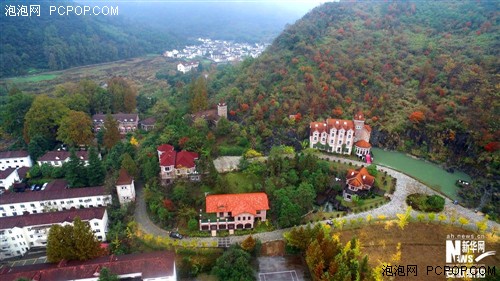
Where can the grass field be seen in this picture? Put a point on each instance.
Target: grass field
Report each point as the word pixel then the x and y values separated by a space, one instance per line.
pixel 141 70
pixel 33 78
pixel 240 182
pixel 421 244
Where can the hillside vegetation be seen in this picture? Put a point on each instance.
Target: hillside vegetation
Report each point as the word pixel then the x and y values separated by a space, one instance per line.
pixel 52 42
pixel 424 74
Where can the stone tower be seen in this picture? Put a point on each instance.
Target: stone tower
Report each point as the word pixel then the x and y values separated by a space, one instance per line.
pixel 222 109
pixel 359 124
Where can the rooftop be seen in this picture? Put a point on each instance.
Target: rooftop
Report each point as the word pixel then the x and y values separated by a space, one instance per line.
pixel 13 154
pixel 6 173
pixel 150 265
pixel 360 178
pixel 55 190
pixel 63 155
pixel 124 178
pixel 237 203
pixel 52 217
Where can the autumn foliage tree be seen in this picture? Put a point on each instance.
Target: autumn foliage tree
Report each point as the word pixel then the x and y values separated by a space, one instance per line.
pixel 417 117
pixel 124 95
pixel 75 129
pixel 43 118
pixel 111 132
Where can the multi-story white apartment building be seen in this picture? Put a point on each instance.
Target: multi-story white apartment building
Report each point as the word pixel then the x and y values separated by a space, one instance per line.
pixel 127 122
pixel 153 266
pixel 339 136
pixel 14 159
pixel 58 158
pixel 175 164
pixel 56 197
pixel 19 234
pixel 125 187
pixel 8 177
pixel 185 67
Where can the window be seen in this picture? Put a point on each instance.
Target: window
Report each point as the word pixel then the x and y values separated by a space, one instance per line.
pixel 98 198
pixel 22 206
pixel 258 212
pixel 32 205
pixel 99 237
pixel 221 214
pixel 81 200
pixel 315 138
pixel 31 236
pixel 96 223
pixel 1 209
pixel 14 213
pixel 15 161
pixel 12 207
pixel 4 214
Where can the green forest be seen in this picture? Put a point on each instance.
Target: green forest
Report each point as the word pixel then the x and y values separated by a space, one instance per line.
pixel 423 73
pixel 35 44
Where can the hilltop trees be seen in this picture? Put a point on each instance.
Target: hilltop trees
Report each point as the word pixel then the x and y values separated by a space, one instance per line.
pixel 95 169
pixel 72 242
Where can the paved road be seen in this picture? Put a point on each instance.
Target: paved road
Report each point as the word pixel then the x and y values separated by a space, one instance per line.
pixel 405 185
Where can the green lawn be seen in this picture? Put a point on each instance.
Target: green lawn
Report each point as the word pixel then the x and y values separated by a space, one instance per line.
pixel 240 182
pixel 34 78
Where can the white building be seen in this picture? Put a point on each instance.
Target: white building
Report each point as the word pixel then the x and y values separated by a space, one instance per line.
pixel 14 159
pixel 339 136
pixel 8 177
pixel 185 67
pixel 153 266
pixel 56 196
pixel 58 158
pixel 19 234
pixel 125 187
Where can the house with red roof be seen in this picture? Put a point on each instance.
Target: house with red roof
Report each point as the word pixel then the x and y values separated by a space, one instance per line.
pixel 153 266
pixel 175 164
pixel 340 136
pixel 235 211
pixel 356 181
pixel 125 187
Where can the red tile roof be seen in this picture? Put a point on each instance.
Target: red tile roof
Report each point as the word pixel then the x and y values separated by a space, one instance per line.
pixel 318 126
pixel 52 217
pixel 237 203
pixel 124 178
pixel 6 173
pixel 22 171
pixel 63 155
pixel 363 144
pixel 55 191
pixel 340 124
pixel 185 159
pixel 368 128
pixel 169 157
pixel 13 154
pixel 360 178
pixel 359 116
pixel 150 265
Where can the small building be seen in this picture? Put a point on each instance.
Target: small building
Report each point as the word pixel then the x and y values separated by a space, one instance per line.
pixel 19 234
pixel 357 181
pixel 212 115
pixel 175 164
pixel 58 158
pixel 14 159
pixel 8 177
pixel 148 124
pixel 339 136
pixel 153 266
pixel 56 197
pixel 235 211
pixel 185 67
pixel 127 122
pixel 125 187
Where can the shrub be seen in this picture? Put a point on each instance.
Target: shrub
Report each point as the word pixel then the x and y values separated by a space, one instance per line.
pixel 426 203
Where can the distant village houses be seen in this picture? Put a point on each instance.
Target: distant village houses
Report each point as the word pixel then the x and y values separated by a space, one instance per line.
pixel 185 67
pixel 127 122
pixel 340 136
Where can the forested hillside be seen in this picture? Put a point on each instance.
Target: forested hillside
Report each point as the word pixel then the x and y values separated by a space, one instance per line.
pixel 425 74
pixel 53 42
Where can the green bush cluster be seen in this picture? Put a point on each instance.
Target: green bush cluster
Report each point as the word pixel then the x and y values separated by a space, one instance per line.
pixel 425 203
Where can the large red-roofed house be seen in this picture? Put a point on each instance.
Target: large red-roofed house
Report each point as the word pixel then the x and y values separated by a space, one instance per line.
pixel 235 211
pixel 175 164
pixel 339 136
pixel 144 266
pixel 357 180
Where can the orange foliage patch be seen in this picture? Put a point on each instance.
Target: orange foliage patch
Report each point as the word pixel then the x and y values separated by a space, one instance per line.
pixel 417 117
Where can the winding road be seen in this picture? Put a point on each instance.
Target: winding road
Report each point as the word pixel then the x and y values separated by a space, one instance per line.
pixel 405 185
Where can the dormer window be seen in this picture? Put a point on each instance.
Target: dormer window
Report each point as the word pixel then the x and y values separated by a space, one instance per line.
pixel 57 157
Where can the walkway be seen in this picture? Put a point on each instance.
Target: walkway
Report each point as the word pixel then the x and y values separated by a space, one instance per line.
pixel 405 185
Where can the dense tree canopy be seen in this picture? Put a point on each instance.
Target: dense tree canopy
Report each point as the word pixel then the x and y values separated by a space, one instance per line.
pixel 43 118
pixel 234 264
pixel 75 129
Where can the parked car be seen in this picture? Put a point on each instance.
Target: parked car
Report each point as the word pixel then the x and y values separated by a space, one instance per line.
pixel 175 235
pixel 44 186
